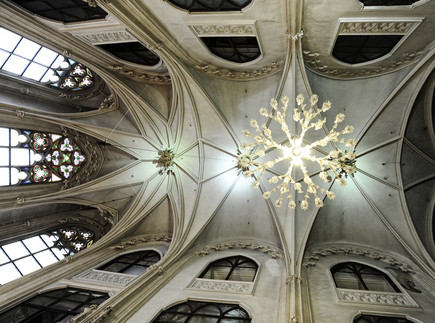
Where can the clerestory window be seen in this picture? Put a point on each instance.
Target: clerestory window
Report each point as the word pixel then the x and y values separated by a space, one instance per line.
pixel 236 268
pixel 352 275
pixel 134 263
pixel 37 157
pixel 380 319
pixel 23 57
pixel 377 3
pixel 59 305
pixel 133 52
pixel 234 49
pixel 192 311
pixel 210 5
pixel 28 255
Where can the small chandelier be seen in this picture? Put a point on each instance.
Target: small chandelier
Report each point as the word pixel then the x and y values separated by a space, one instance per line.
pixel 165 161
pixel 296 150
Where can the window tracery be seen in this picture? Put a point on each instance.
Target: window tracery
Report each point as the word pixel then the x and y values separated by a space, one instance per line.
pixel 58 305
pixel 211 5
pixel 237 268
pixel 352 275
pixel 27 255
pixel 37 157
pixel 193 311
pixel 23 57
pixel 134 263
pixel 234 49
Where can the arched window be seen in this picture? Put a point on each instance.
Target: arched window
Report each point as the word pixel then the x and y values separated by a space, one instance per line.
pixel 237 268
pixel 134 263
pixel 133 52
pixel 59 305
pixel 355 49
pixel 352 275
pixel 65 10
pixel 23 57
pixel 192 311
pixel 36 157
pixel 380 319
pixel 376 3
pixel 25 256
pixel 210 5
pixel 234 49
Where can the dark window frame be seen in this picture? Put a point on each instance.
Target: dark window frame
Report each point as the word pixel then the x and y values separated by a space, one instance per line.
pixel 240 50
pixel 357 269
pixel 146 255
pixel 387 3
pixel 377 319
pixel 201 6
pixel 233 262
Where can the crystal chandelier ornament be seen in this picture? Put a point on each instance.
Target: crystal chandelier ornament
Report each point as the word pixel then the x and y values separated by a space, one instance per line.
pixel 296 150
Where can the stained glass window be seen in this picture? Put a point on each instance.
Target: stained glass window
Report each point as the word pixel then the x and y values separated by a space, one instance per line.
pixel 59 305
pixel 231 268
pixel 25 256
pixel 192 311
pixel 36 157
pixel 23 57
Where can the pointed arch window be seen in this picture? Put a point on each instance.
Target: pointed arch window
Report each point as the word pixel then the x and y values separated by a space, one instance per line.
pixel 37 157
pixel 23 57
pixel 210 5
pixel 352 275
pixel 192 311
pixel 237 268
pixel 27 255
pixel 58 305
pixel 134 263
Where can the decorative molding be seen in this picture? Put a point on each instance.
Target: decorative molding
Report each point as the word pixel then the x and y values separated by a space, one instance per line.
pixel 20 200
pixel 375 27
pixel 141 75
pixel 20 113
pixel 91 3
pixel 222 286
pixel 378 298
pixel 204 30
pixel 290 278
pixel 105 277
pixel 139 241
pixel 296 36
pixel 25 90
pixel 348 251
pixel 241 76
pixel 87 311
pixel 271 251
pixel 317 65
pixel 106 37
pixel 158 269
pixel 108 103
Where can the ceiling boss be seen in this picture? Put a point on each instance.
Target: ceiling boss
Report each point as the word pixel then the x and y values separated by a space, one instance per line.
pixel 296 151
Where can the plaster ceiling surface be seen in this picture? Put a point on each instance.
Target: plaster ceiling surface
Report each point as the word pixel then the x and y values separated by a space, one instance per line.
pixel 204 198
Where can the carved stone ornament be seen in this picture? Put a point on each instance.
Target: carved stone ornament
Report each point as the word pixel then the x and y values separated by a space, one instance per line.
pixel 142 240
pixel 348 251
pixel 315 63
pixel 222 286
pixel 141 75
pixel 224 30
pixel 25 90
pixel 79 318
pixel 20 113
pixel 106 37
pixel 108 103
pixel 105 277
pixel 241 76
pixel 79 96
pixel 378 298
pixel 271 251
pixel 158 269
pixel 20 200
pixel 290 278
pixel 382 27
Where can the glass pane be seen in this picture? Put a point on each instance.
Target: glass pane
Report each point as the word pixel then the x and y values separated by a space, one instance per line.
pixel 8 272
pixel 243 274
pixel 15 176
pixel 27 265
pixel 8 39
pixel 20 157
pixel 45 258
pixel 59 253
pixel 45 56
pixel 17 138
pixel 27 48
pixel 34 244
pixel 4 136
pixel 15 65
pixel 4 156
pixel 4 176
pixel 3 57
pixel 49 240
pixel 220 273
pixel 3 257
pixel 15 250
pixel 135 270
pixel 35 71
pixel 60 63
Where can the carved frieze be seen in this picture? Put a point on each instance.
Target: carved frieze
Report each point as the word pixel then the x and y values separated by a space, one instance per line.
pixel 222 286
pixel 142 240
pixel 375 27
pixel 271 251
pixel 379 298
pixel 141 75
pixel 224 30
pixel 105 277
pixel 106 37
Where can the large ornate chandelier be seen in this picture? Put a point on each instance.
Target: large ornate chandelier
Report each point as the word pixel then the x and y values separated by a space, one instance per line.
pixel 296 150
